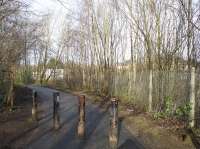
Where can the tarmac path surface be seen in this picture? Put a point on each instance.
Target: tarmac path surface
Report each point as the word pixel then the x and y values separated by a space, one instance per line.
pixel 43 136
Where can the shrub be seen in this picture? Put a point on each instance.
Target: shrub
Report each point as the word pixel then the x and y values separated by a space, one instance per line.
pixel 168 106
pixel 183 111
pixel 167 109
pixel 24 77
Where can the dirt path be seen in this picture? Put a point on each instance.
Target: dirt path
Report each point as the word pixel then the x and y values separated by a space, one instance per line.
pixel 97 125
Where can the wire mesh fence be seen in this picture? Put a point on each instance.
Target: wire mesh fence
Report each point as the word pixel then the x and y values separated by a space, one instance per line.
pixel 171 90
pixel 5 84
pixel 135 89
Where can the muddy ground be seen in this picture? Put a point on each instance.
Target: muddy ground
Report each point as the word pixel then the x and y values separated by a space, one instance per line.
pixel 14 123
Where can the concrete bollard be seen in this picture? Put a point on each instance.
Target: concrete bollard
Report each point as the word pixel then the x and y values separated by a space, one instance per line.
pixel 34 106
pixel 56 104
pixel 113 133
pixel 81 123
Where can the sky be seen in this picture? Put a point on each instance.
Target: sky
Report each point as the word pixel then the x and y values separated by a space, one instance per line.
pixel 54 6
pixel 59 9
pixel 58 13
pixel 44 6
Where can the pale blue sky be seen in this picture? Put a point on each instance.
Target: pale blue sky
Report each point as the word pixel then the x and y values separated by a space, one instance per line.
pixel 58 10
pixel 44 6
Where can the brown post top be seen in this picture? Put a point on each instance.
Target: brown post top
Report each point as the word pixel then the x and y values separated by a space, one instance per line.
pixel 114 99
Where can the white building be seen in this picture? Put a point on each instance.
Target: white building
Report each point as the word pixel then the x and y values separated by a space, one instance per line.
pixel 51 74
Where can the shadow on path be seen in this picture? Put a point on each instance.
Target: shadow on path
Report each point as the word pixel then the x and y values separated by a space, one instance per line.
pixel 195 139
pixel 97 128
pixel 130 144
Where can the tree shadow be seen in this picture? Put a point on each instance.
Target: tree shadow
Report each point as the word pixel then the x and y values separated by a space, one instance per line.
pixel 94 122
pixel 97 125
pixel 131 144
pixel 97 128
pixel 120 125
pixel 195 139
pixel 51 130
pixel 69 139
pixel 41 124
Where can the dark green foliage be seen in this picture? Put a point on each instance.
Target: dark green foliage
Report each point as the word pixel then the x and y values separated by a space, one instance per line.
pixel 183 111
pixel 24 77
pixel 167 109
pixel 27 77
pixel 168 106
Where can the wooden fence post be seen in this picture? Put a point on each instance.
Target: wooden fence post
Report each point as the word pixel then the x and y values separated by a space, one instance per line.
pixel 81 123
pixel 56 104
pixel 35 105
pixel 113 133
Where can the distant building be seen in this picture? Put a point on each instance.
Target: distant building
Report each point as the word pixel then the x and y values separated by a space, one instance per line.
pixel 55 73
pixel 51 74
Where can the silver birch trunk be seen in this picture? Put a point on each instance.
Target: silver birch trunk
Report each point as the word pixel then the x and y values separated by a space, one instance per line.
pixel 150 89
pixel 192 98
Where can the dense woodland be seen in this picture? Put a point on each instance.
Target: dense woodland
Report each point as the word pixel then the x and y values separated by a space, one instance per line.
pixel 145 52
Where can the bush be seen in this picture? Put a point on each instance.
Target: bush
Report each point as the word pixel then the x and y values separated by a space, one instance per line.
pixel 183 111
pixel 24 77
pixel 168 106
pixel 167 109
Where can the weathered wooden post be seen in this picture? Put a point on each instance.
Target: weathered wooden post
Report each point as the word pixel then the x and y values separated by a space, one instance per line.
pixel 35 105
pixel 113 134
pixel 56 103
pixel 81 123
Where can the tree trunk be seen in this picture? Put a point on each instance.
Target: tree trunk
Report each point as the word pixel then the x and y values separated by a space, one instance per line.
pixel 192 98
pixel 150 89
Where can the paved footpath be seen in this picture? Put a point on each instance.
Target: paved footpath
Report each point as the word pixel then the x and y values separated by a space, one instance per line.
pixel 43 136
